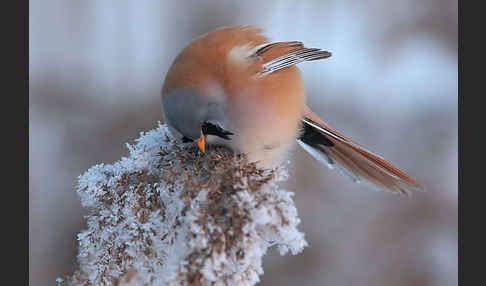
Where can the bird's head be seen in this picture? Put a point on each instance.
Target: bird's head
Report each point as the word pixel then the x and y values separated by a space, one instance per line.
pixel 196 117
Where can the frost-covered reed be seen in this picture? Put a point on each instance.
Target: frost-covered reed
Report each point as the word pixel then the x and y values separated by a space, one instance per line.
pixel 170 215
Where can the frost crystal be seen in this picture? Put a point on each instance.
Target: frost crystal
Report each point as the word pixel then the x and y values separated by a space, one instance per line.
pixel 170 215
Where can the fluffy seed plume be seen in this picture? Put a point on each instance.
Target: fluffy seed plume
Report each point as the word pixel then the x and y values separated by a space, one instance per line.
pixel 170 215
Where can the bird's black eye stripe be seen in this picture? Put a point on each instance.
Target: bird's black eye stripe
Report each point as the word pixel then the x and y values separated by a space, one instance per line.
pixel 186 140
pixel 209 128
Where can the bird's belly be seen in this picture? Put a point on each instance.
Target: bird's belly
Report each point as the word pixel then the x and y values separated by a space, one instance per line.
pixel 266 143
pixel 262 130
pixel 269 156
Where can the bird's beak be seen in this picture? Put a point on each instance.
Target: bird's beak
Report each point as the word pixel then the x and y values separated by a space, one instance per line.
pixel 201 142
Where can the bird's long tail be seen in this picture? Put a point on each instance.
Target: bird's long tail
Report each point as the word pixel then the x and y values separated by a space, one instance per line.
pixel 335 150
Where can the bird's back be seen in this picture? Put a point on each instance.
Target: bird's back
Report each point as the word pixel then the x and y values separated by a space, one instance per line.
pixel 204 58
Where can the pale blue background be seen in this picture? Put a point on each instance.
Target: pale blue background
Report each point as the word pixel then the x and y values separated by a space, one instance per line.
pixel 96 69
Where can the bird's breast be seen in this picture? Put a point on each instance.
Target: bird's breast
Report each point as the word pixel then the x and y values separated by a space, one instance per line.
pixel 265 125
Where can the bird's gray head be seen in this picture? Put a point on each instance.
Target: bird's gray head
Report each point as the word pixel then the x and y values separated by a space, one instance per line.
pixel 192 114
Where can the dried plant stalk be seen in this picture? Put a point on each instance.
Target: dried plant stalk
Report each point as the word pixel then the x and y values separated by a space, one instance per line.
pixel 171 215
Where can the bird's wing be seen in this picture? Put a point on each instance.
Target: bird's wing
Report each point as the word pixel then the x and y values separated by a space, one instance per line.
pixel 280 55
pixel 329 146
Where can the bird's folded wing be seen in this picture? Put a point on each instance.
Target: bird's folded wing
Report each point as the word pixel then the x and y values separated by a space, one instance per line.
pixel 280 55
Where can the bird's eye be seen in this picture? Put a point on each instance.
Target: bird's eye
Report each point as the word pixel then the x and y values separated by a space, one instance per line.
pixel 209 128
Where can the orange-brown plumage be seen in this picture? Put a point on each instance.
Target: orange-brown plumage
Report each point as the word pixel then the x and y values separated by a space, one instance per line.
pixel 203 59
pixel 260 100
pixel 364 163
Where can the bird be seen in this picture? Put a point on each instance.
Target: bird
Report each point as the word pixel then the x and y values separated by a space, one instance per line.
pixel 234 87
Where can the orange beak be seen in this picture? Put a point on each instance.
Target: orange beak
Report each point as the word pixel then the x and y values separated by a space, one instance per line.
pixel 201 143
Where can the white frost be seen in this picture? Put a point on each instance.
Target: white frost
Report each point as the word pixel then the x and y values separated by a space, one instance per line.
pixel 168 215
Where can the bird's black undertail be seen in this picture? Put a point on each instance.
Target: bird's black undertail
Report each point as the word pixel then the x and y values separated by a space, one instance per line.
pixel 316 143
pixel 312 137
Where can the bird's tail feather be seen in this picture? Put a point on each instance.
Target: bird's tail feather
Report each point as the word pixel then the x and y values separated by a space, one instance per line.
pixel 330 147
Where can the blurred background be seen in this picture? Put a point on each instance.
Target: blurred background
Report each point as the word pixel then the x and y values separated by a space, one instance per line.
pixel 95 73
